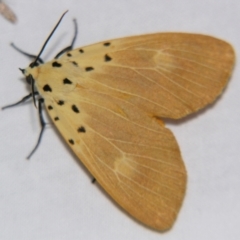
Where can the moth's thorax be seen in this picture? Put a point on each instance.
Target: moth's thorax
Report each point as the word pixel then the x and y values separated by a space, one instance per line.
pixel 56 78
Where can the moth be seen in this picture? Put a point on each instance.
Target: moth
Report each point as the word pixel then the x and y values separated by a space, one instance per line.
pixel 108 100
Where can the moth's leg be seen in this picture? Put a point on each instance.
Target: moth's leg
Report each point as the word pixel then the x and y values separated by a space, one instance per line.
pixel 43 125
pixel 69 48
pixel 24 99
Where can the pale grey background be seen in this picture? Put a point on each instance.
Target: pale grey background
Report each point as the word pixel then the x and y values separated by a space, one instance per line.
pixel 51 196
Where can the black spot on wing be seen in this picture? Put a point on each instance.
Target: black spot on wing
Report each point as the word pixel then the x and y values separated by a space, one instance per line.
pixel 56 118
pixel 75 109
pixel 106 44
pixel 50 107
pixel 74 63
pixel 47 88
pixel 69 54
pixel 88 69
pixel 107 58
pixel 81 129
pixel 71 141
pixel 60 102
pixel 56 64
pixel 66 81
pixel 81 51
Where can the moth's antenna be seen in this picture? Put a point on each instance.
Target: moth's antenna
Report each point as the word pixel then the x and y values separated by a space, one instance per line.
pixel 44 45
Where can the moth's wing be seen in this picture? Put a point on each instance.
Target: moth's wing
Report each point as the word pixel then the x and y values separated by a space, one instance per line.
pixel 166 74
pixel 132 156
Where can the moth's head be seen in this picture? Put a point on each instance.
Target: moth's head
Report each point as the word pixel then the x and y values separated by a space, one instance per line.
pixel 30 72
pixel 31 69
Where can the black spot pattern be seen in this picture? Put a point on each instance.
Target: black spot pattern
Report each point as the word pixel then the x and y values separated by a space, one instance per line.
pixel 106 44
pixel 74 63
pixel 75 109
pixel 81 51
pixel 89 69
pixel 56 64
pixel 56 118
pixel 71 141
pixel 69 54
pixel 107 58
pixel 82 129
pixel 50 107
pixel 60 102
pixel 66 81
pixel 47 88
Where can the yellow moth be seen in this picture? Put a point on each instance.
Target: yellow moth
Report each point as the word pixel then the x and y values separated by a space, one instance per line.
pixel 107 101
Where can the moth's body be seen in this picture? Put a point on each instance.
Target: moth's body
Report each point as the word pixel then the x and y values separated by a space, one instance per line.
pixel 107 99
